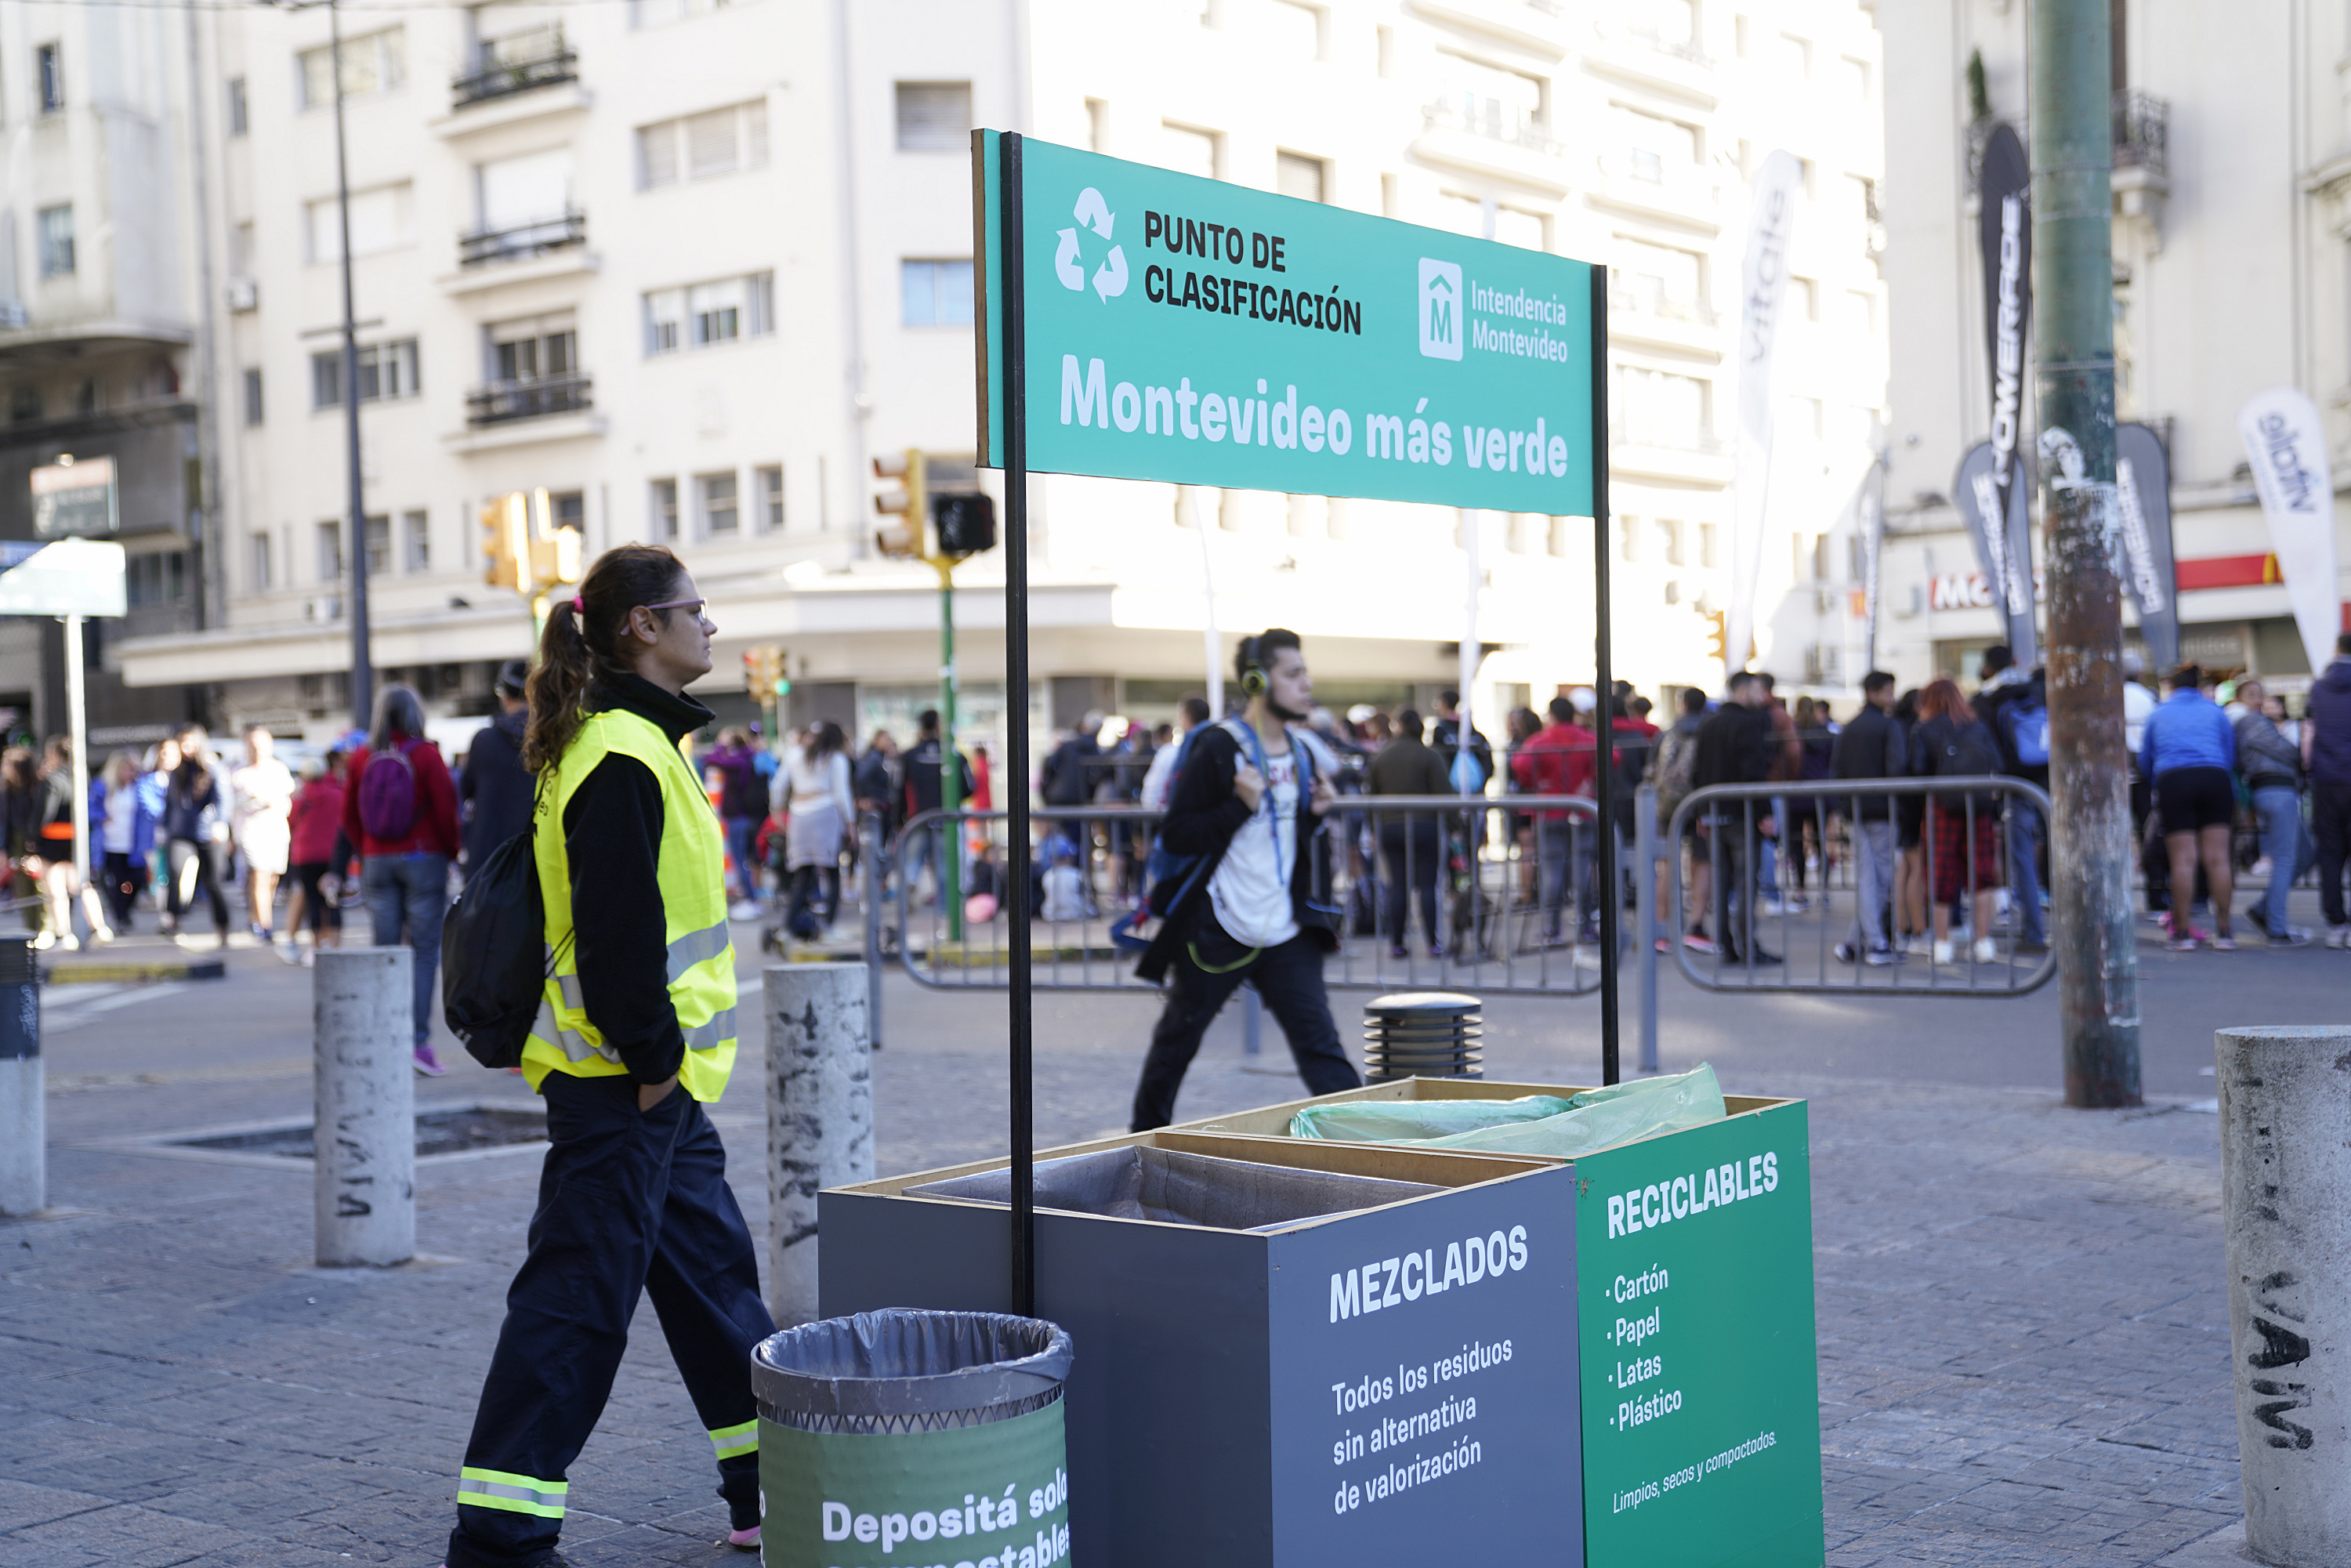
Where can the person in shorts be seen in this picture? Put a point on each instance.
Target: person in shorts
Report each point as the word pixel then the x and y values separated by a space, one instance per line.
pixel 2189 752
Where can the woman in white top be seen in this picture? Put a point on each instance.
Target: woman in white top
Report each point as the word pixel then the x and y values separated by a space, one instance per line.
pixel 126 836
pixel 812 787
pixel 264 794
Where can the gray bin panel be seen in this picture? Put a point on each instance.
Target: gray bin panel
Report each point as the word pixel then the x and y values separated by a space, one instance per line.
pixel 1182 1188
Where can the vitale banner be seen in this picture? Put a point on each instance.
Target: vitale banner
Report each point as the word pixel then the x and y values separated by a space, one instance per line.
pixel 1190 330
pixel 2285 441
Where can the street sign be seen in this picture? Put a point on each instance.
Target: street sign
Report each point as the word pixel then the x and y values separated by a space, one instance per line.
pixel 1187 330
pixel 73 497
pixel 71 577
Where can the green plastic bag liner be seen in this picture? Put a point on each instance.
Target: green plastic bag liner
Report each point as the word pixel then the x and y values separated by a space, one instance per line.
pixel 1540 1124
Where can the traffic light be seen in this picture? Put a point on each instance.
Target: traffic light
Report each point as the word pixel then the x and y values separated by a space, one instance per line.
pixel 903 504
pixel 763 672
pixel 505 542
pixel 965 523
pixel 1717 636
pixel 554 552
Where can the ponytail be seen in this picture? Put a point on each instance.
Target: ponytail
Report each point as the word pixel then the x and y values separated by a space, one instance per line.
pixel 582 641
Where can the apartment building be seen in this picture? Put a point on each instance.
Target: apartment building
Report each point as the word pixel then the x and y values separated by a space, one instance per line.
pixel 2233 167
pixel 687 266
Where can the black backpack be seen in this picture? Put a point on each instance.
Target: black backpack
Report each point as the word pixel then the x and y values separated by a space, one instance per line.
pixel 493 958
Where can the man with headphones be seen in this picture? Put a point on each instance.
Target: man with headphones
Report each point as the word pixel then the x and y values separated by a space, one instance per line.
pixel 1250 898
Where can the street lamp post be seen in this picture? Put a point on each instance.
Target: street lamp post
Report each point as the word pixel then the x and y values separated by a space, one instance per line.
pixel 363 671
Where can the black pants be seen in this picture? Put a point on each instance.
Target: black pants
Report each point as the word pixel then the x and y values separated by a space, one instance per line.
pixel 630 1203
pixel 1412 854
pixel 207 857
pixel 126 874
pixel 1734 891
pixel 2330 822
pixel 1289 979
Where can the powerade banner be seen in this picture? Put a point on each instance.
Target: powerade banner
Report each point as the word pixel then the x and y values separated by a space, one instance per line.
pixel 1764 281
pixel 2003 547
pixel 2143 508
pixel 2286 444
pixel 2004 229
pixel 1200 332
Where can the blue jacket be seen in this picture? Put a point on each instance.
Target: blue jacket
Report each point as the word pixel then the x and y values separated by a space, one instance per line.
pixel 2187 729
pixel 142 821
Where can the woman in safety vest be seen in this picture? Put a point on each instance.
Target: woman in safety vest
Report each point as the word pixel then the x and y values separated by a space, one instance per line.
pixel 635 1035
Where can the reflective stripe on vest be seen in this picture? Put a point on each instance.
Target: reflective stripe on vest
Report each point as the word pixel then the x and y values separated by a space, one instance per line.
pixel 699 962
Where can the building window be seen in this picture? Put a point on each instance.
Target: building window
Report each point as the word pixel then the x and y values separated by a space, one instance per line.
pixel 1295 31
pixel 386 370
pixel 377 63
pixel 716 494
pixel 1657 408
pixel 1651 149
pixel 1097 125
pixel 534 348
pixel 570 507
pixel 703 146
pixel 237 123
pixel 56 231
pixel 330 551
pixel 24 404
pixel 708 313
pixel 49 77
pixel 933 116
pixel 1710 552
pixel 934 293
pixel 771 497
pixel 158 576
pixel 86 397
pixel 416 541
pixel 1296 174
pixel 1657 280
pixel 1190 151
pixel 534 190
pixel 382 219
pixel 252 397
pixel 653 13
pixel 665 509
pixel 379 545
pixel 256 561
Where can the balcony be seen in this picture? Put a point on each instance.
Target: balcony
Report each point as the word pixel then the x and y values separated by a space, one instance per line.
pixel 1647 318
pixel 1490 137
pixel 2142 132
pixel 503 402
pixel 537 59
pixel 490 248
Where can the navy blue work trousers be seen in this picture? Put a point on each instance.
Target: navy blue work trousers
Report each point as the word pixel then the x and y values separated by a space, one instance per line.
pixel 630 1202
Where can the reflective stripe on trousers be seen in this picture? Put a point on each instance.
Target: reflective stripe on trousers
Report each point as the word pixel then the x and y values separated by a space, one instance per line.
pixel 513 1493
pixel 730 1441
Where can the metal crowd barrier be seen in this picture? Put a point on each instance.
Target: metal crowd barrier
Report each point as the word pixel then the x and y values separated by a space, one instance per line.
pixel 1784 929
pixel 1508 879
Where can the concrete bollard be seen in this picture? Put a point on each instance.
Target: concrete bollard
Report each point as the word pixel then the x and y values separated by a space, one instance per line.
pixel 819 1115
pixel 364 1134
pixel 23 1082
pixel 2286 1188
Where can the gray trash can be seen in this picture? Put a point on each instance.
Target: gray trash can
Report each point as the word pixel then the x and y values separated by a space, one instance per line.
pixel 910 1437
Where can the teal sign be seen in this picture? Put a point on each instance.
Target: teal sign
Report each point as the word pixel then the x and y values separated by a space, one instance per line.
pixel 1701 1380
pixel 1190 330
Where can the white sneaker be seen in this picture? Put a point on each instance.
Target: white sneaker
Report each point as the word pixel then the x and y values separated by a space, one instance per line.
pixel 744 909
pixel 1942 952
pixel 1987 952
pixel 2338 937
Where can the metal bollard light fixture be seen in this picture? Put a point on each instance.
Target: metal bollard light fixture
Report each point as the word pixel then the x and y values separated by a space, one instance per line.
pixel 1422 1034
pixel 23 1113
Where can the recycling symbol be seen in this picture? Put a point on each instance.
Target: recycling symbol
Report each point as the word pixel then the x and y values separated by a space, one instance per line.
pixel 1109 278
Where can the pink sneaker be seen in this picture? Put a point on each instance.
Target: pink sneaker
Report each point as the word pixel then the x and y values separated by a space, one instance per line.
pixel 743 1539
pixel 428 1065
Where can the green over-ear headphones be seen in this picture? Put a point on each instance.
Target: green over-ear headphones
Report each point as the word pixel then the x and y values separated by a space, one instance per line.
pixel 1253 679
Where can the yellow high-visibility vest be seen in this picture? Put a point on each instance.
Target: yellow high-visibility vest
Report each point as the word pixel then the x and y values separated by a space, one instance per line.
pixel 694 905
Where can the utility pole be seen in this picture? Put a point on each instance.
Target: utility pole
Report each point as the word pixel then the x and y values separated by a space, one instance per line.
pixel 362 669
pixel 950 770
pixel 2073 265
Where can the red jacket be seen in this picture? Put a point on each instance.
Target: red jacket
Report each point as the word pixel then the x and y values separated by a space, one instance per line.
pixel 1557 761
pixel 434 830
pixel 318 816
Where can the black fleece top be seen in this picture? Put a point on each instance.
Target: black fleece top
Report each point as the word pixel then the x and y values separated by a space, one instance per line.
pixel 613 828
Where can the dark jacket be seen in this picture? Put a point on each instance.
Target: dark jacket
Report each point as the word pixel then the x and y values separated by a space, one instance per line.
pixel 1870 746
pixel 1735 746
pixel 1406 767
pixel 1445 739
pixel 1068 780
pixel 2264 756
pixel 496 791
pixel 613 828
pixel 923 777
pixel 744 794
pixel 2330 709
pixel 1203 815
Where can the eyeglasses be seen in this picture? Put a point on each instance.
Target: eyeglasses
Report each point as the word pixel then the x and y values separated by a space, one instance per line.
pixel 696 605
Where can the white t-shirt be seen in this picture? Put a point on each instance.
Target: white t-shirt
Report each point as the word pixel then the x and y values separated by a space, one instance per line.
pixel 121 819
pixel 1251 891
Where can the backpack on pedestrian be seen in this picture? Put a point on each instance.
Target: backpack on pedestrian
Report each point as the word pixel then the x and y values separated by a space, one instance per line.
pixel 1168 876
pixel 1677 768
pixel 494 957
pixel 2025 722
pixel 388 793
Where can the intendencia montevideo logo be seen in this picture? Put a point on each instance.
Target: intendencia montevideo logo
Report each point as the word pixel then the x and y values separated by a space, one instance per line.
pixel 1440 308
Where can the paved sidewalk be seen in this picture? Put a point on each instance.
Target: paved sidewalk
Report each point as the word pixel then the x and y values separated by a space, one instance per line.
pixel 2023 1326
